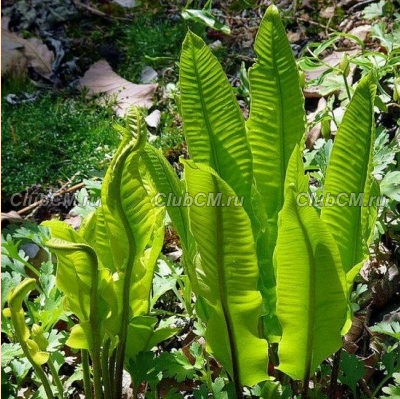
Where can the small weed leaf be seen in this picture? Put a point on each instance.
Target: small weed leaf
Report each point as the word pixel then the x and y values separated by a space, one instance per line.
pixel 392 391
pixel 352 371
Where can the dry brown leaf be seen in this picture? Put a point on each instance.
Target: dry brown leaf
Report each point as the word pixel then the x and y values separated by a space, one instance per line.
pixel 74 221
pixel 294 37
pixel 149 75
pixel 153 119
pixel 127 3
pixel 355 332
pixel 101 79
pixel 361 31
pixel 328 12
pixel 17 53
pixel 315 132
pixel 12 60
pixel 12 217
pixel 174 256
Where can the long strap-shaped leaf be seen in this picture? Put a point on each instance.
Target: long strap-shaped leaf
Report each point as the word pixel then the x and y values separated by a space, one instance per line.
pixel 349 174
pixel 169 187
pixel 227 272
pixel 142 283
pixel 311 286
pixel 277 118
pixel 276 124
pixel 213 123
pixel 127 209
pixel 133 223
pixel 94 231
pixel 170 192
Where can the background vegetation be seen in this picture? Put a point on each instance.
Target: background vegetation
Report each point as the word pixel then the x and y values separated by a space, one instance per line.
pixel 60 138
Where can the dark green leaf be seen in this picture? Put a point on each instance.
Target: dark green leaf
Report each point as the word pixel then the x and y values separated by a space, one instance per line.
pixel 391 360
pixel 176 365
pixel 353 370
pixel 142 369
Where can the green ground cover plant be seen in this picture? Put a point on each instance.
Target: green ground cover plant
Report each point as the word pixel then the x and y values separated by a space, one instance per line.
pixel 54 138
pixel 149 41
pixel 269 278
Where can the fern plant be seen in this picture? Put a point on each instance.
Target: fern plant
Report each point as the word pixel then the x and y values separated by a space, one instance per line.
pixel 306 261
pixel 268 269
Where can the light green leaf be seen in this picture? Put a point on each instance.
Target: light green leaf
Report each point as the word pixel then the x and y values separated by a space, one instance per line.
pixel 227 273
pixel 9 352
pixel 348 176
pixel 311 286
pixel 8 282
pixel 142 335
pixel 213 123
pixel 277 117
pixel 390 185
pixel 140 289
pixel 38 337
pixel 393 391
pixel 15 299
pixel 206 18
pixel 111 290
pixel 161 334
pixel 81 336
pixel 389 328
pixel 132 219
pixel 276 124
pixel 94 231
pixel 140 330
pixel 77 266
pixel 39 357
pixel 168 186
pixel 374 10
pixel 79 276
pixel 125 201
pixel 170 192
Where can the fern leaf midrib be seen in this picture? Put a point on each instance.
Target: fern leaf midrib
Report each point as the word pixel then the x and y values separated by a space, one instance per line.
pixel 223 289
pixel 365 172
pixel 215 165
pixel 281 124
pixel 132 248
pixel 311 298
pixel 358 215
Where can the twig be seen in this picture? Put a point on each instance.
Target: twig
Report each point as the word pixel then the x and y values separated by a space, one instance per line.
pixel 244 58
pixel 327 28
pixel 97 12
pixel 306 388
pixel 57 194
pixel 364 388
pixel 335 374
pixel 360 5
